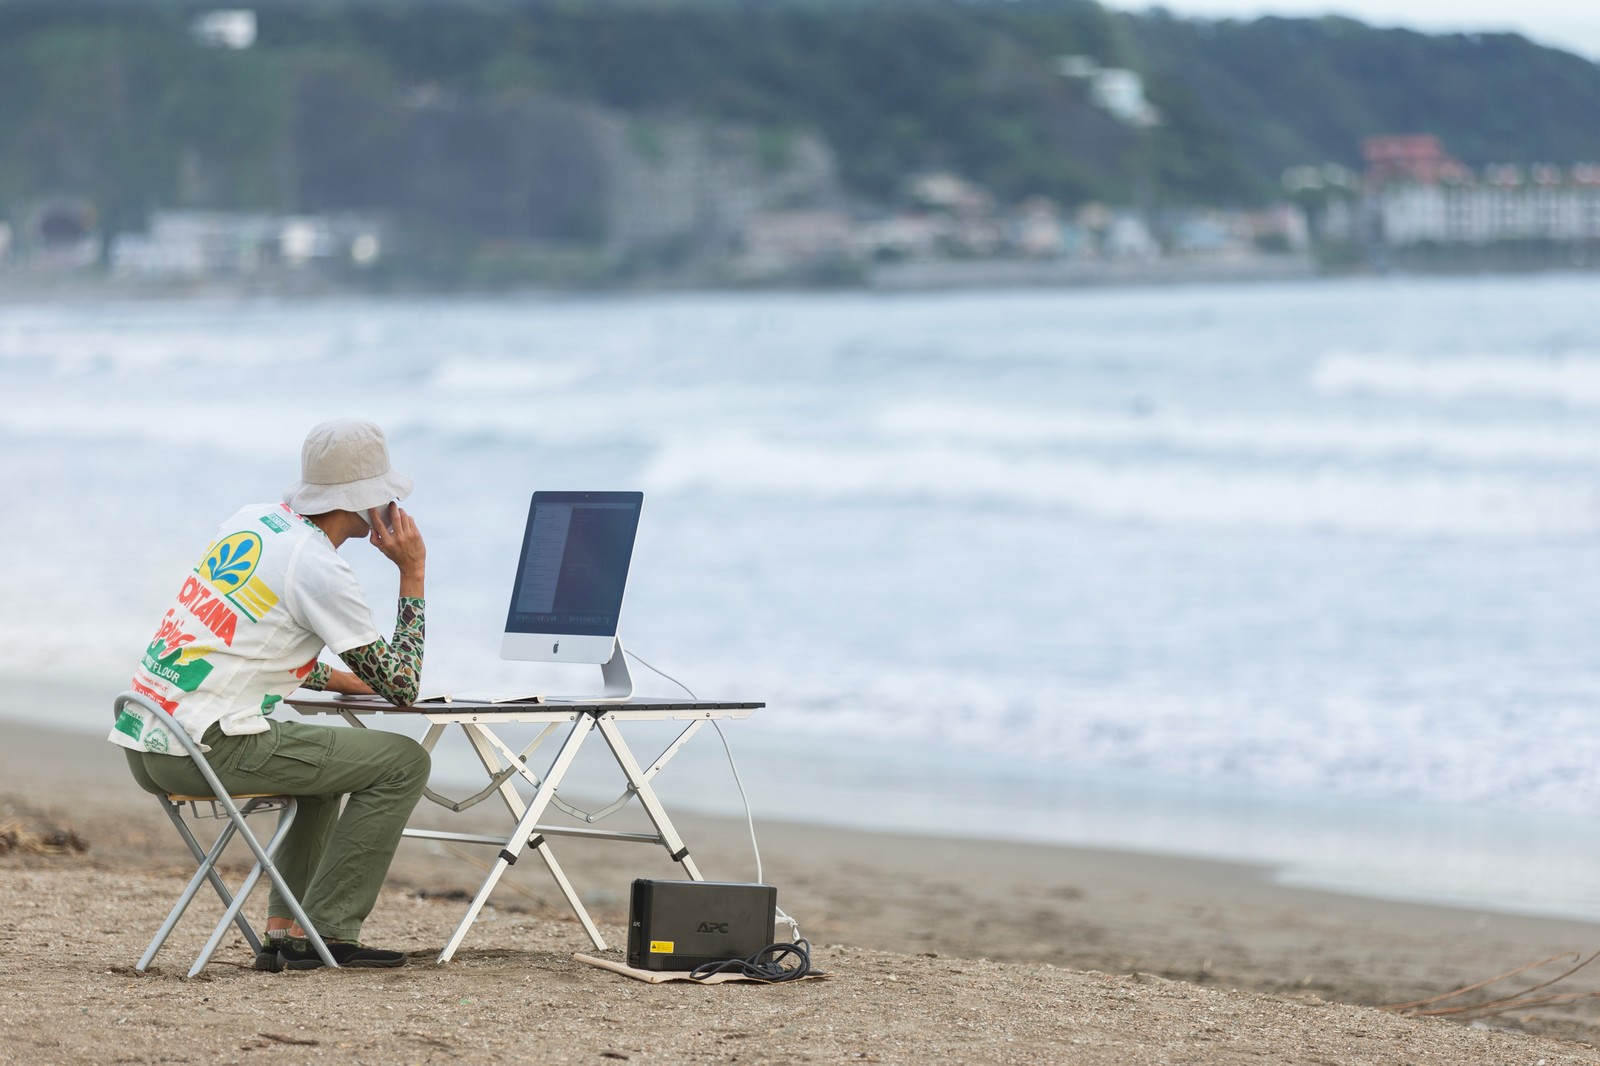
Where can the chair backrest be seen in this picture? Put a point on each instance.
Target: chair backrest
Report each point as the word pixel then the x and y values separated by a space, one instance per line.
pixel 190 746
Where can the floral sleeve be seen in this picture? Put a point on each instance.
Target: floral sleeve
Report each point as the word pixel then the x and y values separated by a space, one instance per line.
pixel 394 669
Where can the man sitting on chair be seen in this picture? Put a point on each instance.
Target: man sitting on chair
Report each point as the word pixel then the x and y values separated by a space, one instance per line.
pixel 244 631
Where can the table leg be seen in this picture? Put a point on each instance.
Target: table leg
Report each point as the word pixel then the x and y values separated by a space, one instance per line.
pixel 520 839
pixel 431 737
pixel 640 782
pixel 490 751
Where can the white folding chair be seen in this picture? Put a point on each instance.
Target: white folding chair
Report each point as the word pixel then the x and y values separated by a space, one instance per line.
pixel 232 811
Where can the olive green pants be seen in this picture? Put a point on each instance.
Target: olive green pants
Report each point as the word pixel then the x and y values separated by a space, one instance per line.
pixel 335 863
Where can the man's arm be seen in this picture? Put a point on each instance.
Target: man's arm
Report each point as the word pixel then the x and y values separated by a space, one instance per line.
pixel 394 670
pixel 347 684
pixel 324 678
pixel 391 669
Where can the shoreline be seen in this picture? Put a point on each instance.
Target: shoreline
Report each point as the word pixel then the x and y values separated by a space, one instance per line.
pixel 1390 852
pixel 909 903
pixel 898 279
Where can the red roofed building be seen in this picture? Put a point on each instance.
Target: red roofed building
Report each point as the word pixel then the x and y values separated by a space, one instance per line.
pixel 1418 157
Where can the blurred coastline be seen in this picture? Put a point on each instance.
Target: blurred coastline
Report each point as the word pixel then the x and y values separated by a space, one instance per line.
pixel 894 277
pixel 900 277
pixel 488 148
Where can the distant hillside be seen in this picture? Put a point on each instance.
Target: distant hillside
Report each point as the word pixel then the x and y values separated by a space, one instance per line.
pixel 892 86
pixel 1291 91
pixel 895 85
pixel 443 112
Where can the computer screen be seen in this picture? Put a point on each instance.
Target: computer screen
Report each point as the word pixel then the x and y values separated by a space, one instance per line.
pixel 571 576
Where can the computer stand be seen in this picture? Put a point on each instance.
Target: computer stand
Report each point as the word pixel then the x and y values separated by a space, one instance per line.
pixel 616 680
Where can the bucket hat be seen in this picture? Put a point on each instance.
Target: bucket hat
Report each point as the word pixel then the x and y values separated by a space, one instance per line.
pixel 344 466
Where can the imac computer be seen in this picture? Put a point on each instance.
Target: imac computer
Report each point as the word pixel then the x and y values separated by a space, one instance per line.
pixel 570 579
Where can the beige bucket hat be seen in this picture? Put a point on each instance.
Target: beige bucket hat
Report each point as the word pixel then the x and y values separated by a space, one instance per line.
pixel 344 466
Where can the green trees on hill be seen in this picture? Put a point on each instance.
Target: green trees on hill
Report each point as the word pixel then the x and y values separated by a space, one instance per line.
pixel 1293 91
pixel 131 113
pixel 893 87
pixel 118 103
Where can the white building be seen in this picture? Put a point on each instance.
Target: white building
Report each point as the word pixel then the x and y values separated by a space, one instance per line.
pixel 1121 93
pixel 234 28
pixel 1129 238
pixel 190 245
pixel 903 236
pixel 1118 92
pixel 194 244
pixel 780 241
pixel 1497 211
pixel 1037 230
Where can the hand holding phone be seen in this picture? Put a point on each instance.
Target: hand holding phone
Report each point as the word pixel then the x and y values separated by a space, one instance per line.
pixel 395 534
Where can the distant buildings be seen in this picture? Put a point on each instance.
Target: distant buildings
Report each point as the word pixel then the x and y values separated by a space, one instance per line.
pixel 228 28
pixel 183 246
pixel 1507 204
pixel 1413 193
pixel 1118 92
pixel 779 242
pixel 1417 158
pixel 946 219
pixel 1222 234
pixel 690 190
pixel 61 233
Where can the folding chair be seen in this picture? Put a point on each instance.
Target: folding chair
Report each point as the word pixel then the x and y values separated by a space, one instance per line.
pixel 232 810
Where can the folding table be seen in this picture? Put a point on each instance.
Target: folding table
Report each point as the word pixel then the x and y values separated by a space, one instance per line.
pixel 478 721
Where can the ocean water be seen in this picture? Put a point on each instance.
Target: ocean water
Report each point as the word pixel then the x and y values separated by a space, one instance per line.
pixel 1302 574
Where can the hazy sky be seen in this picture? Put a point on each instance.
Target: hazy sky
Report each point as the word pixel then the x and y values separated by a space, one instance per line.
pixel 1573 25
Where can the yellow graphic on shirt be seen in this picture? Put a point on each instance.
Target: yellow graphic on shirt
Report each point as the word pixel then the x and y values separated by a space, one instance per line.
pixel 255 598
pixel 230 565
pixel 193 652
pixel 231 560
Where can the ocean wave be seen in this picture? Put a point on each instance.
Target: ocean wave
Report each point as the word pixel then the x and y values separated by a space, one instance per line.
pixel 133 350
pixel 1435 748
pixel 1266 436
pixel 1420 503
pixel 1571 379
pixel 500 377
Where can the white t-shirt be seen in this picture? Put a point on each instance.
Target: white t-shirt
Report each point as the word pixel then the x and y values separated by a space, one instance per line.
pixel 245 629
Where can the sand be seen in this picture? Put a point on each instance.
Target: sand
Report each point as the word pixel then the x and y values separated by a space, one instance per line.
pixel 935 949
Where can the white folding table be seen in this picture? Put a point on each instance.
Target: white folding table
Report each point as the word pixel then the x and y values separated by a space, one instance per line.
pixel 504 764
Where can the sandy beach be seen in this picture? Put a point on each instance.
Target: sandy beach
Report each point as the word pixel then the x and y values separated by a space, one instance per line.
pixel 935 949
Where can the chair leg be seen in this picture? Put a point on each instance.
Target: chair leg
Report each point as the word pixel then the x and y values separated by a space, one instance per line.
pixel 265 861
pixel 265 864
pixel 207 870
pixel 207 860
pixel 175 813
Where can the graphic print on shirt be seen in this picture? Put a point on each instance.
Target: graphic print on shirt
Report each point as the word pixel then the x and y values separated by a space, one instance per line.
pixel 224 580
pixel 174 657
pixel 155 695
pixel 156 740
pixel 228 621
pixel 130 723
pixel 229 564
